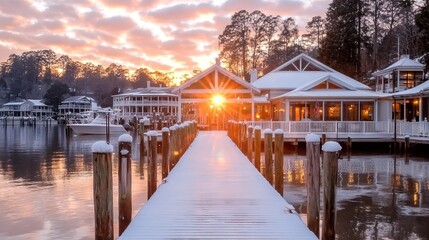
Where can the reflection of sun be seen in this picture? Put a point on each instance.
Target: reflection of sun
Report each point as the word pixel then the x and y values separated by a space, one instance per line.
pixel 218 100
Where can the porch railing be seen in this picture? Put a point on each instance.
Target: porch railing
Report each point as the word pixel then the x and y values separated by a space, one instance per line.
pixel 416 129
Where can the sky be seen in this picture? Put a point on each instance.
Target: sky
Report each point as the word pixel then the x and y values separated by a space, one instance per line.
pixel 164 35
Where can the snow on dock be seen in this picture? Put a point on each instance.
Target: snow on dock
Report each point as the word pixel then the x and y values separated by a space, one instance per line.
pixel 215 192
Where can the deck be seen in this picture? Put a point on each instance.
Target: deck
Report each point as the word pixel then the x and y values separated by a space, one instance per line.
pixel 216 193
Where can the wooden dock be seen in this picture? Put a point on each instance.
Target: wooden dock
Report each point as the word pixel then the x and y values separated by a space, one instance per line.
pixel 214 192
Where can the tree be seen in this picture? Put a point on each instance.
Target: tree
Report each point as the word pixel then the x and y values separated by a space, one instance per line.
pixel 316 30
pixel 234 42
pixel 422 23
pixel 55 95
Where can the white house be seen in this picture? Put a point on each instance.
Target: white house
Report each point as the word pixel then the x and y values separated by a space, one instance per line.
pixel 27 108
pixel 75 105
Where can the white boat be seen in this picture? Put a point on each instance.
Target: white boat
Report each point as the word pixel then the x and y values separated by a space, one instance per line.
pixel 97 126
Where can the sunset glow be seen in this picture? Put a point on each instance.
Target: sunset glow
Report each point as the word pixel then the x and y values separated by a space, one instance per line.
pixel 168 36
pixel 218 100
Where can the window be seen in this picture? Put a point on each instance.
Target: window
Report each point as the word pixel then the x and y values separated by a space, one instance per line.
pixel 332 111
pixel 350 111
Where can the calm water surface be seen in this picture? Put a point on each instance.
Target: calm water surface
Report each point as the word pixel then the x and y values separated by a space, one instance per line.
pixel 46 189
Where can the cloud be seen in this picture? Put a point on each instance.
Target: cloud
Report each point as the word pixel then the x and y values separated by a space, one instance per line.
pixel 161 35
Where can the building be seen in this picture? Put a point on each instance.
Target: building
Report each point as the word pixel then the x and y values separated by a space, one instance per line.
pixel 143 102
pixel 27 108
pixel 76 105
pixel 304 89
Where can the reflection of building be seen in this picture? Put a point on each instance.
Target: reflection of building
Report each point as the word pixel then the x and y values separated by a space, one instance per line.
pixel 145 102
pixel 305 89
pixel 75 105
pixel 27 108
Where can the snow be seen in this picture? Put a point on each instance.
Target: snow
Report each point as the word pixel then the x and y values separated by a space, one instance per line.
pixel 250 127
pixel 124 152
pixel 278 131
pixel 257 127
pixel 311 137
pixel 102 147
pixel 267 131
pixel 214 192
pixel 331 146
pixel 152 133
pixel 125 138
pixel 172 128
pixel 165 129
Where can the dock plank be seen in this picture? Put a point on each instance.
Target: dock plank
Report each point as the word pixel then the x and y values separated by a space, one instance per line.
pixel 214 192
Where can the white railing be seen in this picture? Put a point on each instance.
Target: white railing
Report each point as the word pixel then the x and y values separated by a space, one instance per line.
pixel 420 129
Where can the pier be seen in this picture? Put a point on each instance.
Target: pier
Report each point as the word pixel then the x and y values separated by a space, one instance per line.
pixel 215 192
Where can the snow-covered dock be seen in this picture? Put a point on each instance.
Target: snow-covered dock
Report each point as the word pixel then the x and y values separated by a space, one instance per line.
pixel 214 192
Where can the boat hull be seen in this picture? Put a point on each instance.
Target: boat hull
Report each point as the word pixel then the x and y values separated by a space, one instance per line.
pixel 96 129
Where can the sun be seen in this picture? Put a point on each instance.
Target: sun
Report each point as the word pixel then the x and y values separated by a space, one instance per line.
pixel 218 100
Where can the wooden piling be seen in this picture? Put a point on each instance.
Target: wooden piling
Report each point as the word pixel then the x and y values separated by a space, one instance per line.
pixel 258 148
pixel 349 147
pixel 124 181
pixel 152 179
pixel 323 138
pixel 250 143
pixel 142 147
pixel 165 151
pixel 407 148
pixel 278 160
pixel 172 148
pixel 102 189
pixel 330 172
pixel 313 182
pixel 268 150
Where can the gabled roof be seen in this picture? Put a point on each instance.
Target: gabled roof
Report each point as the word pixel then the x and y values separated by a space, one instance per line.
pixel 300 71
pixel 78 99
pixel 216 68
pixel 403 64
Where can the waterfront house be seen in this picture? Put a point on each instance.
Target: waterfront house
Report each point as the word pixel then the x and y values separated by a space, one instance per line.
pixel 145 102
pixel 76 105
pixel 304 89
pixel 27 108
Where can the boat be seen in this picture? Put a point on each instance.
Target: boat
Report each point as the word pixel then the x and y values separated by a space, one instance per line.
pixel 97 126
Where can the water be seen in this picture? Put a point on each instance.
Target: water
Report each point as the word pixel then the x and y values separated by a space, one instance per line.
pixel 46 189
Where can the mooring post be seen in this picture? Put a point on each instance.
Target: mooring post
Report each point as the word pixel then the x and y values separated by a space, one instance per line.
pixel 323 138
pixel 268 150
pixel 349 147
pixel 278 160
pixel 165 151
pixel 141 133
pixel 172 148
pixel 313 182
pixel 258 148
pixel 102 189
pixel 407 149
pixel 330 172
pixel 250 143
pixel 124 181
pixel 151 181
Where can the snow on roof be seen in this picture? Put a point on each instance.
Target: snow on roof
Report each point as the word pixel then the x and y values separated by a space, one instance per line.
pixel 152 91
pixel 36 102
pixel 216 67
pixel 419 89
pixel 294 79
pixel 78 99
pixel 332 93
pixel 403 64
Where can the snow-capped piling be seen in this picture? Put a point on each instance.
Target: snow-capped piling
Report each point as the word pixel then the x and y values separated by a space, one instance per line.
pixel 258 148
pixel 103 189
pixel 330 172
pixel 313 182
pixel 124 181
pixel 152 149
pixel 250 143
pixel 268 150
pixel 165 151
pixel 278 160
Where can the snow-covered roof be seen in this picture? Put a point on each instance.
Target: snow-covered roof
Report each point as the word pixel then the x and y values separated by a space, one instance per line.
pixel 289 80
pixel 403 64
pixel 152 91
pixel 332 93
pixel 216 67
pixel 13 103
pixel 417 90
pixel 303 70
pixel 78 99
pixel 36 102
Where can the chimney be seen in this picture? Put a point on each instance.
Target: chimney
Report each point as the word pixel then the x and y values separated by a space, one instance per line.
pixel 217 61
pixel 253 75
pixel 148 84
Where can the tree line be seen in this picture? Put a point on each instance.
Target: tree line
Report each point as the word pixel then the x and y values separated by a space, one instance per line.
pixel 41 74
pixel 357 37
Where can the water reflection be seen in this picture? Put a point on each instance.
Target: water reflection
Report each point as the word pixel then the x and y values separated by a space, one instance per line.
pixel 46 183
pixel 375 198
